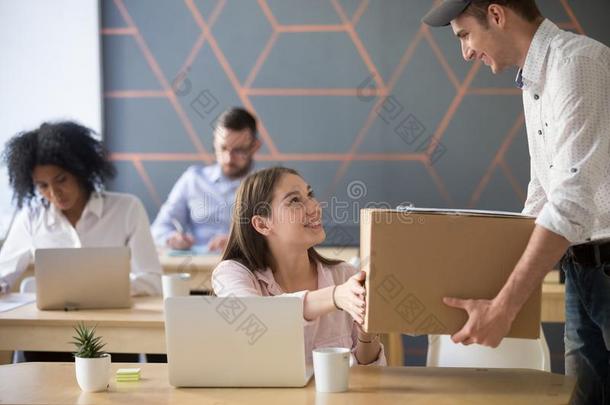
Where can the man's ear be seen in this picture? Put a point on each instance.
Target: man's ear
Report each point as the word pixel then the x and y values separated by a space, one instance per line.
pixel 256 146
pixel 261 225
pixel 496 15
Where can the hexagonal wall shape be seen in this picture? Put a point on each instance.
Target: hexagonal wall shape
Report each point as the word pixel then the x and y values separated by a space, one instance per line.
pixel 299 12
pixel 205 93
pixel 479 139
pixel 409 114
pixel 169 32
pixel 242 31
pixel 388 41
pixel 307 120
pixel 312 60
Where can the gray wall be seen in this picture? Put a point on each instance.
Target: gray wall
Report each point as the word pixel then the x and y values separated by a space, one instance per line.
pixel 433 130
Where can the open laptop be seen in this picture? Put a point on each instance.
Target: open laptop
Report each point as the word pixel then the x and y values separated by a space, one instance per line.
pixel 235 342
pixel 82 278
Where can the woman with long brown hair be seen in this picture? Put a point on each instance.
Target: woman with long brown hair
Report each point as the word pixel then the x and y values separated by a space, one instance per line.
pixel 276 224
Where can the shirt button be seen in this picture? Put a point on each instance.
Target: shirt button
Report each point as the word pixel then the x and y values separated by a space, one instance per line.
pixel 573 170
pixel 536 96
pixel 539 132
pixel 550 166
pixel 546 124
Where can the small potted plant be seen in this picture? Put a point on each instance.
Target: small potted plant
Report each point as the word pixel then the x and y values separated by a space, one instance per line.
pixel 92 364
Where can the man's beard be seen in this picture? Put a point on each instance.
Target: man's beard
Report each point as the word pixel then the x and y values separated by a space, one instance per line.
pixel 240 172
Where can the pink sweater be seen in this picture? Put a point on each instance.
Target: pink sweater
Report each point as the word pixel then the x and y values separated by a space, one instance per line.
pixel 335 329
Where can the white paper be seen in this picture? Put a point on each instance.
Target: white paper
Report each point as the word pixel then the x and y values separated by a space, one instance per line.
pixel 12 301
pixel 451 211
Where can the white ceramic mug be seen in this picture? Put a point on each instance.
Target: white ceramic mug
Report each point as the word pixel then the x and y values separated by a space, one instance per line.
pixel 176 285
pixel 331 368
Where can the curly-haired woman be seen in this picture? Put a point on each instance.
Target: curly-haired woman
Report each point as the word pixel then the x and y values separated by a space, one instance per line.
pixel 57 173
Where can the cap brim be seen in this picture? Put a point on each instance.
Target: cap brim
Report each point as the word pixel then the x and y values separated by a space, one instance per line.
pixel 441 15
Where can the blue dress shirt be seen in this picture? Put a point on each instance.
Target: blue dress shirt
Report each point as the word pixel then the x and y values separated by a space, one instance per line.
pixel 201 200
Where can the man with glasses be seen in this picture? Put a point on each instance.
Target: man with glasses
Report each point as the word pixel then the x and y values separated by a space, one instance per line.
pixel 198 209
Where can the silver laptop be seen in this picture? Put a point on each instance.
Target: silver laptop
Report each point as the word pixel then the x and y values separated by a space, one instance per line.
pixel 82 278
pixel 235 342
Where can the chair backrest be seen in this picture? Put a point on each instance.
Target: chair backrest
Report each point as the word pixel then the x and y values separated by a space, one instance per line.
pixel 28 285
pixel 511 353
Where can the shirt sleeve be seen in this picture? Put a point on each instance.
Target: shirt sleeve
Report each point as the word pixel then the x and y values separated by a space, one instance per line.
pixel 536 198
pixel 145 267
pixel 232 279
pixel 580 148
pixel 16 252
pixel 175 207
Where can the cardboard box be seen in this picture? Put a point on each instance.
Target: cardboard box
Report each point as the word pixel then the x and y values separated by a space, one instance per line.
pixel 415 257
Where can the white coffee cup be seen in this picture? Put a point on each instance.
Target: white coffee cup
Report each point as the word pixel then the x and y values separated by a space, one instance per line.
pixel 331 368
pixel 176 285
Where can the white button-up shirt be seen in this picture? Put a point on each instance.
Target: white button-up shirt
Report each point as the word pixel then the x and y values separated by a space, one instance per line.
pixel 566 97
pixel 108 220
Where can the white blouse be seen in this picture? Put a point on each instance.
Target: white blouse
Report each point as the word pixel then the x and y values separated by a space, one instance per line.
pixel 108 220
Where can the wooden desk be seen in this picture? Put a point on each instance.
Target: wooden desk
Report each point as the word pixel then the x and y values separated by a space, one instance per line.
pixel 140 329
pixel 136 330
pixel 51 383
pixel 553 299
pixel 200 267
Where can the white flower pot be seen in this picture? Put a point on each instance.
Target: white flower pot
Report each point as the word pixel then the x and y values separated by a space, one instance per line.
pixel 93 375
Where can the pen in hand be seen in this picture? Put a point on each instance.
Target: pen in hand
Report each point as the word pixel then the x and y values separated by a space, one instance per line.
pixel 180 240
pixel 178 226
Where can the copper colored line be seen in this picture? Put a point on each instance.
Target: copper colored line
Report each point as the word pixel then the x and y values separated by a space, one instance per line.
pixel 230 74
pixel 444 124
pixel 373 113
pixel 513 181
pixel 147 182
pixel 359 12
pixel 161 157
pixel 498 157
pixel 405 59
pixel 572 16
pixel 311 28
pixel 268 13
pixel 118 31
pixel 284 157
pixel 438 182
pixel 441 58
pixel 152 63
pixel 359 46
pixel 200 40
pixel 368 92
pixel 491 91
pixel 135 94
pixel 261 59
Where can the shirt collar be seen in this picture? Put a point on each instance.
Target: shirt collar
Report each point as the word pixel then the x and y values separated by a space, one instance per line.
pixel 95 206
pixel 215 173
pixel 532 70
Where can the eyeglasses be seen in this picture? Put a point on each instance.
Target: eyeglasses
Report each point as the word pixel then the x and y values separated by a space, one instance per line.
pixel 242 152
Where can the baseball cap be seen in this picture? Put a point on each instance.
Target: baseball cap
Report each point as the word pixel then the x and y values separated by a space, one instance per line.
pixel 448 10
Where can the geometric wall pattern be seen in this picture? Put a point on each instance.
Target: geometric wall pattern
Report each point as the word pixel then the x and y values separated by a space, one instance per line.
pixel 366 102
